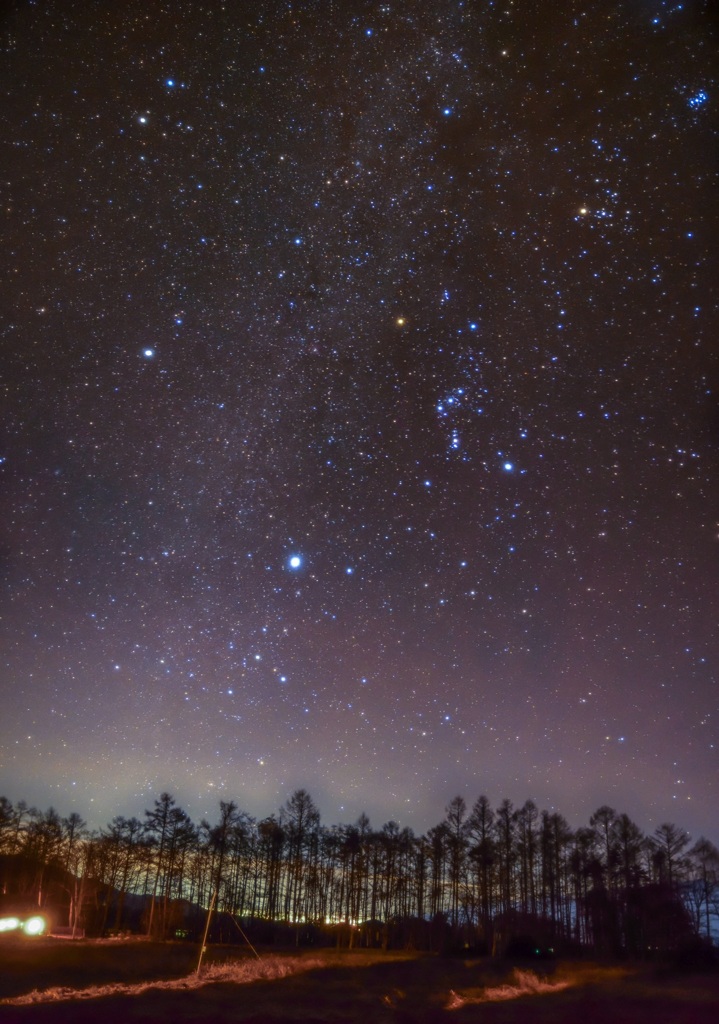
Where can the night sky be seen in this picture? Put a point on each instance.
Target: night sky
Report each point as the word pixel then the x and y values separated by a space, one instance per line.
pixel 359 420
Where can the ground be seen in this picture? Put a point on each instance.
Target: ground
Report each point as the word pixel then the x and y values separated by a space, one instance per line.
pixel 53 981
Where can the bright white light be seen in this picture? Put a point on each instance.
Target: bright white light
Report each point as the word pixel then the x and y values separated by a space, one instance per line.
pixel 9 924
pixel 295 562
pixel 509 466
pixel 34 926
pixel 148 353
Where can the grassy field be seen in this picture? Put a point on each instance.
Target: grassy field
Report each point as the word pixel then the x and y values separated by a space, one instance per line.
pixel 113 982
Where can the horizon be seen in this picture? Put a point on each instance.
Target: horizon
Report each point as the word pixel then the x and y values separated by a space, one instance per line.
pixel 95 826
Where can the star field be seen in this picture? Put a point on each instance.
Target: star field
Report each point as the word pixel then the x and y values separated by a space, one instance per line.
pixel 359 407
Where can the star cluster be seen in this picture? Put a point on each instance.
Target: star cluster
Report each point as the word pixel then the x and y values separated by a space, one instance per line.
pixel 359 372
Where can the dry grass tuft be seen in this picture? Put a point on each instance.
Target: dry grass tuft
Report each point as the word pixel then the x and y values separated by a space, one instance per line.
pixel 237 973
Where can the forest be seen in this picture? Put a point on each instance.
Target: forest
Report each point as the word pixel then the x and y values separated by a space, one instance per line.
pixel 488 879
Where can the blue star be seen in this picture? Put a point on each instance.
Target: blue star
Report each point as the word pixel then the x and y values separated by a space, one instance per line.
pixel 295 562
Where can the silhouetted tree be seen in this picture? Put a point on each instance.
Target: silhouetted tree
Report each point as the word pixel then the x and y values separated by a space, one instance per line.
pixel 437 846
pixel 42 844
pixel 482 854
pixel 555 841
pixel 588 881
pixel 602 821
pixel 703 886
pixel 120 860
pixel 527 849
pixel 172 835
pixel 271 844
pixel 300 819
pixel 607 884
pixel 219 840
pixel 504 827
pixel 457 830
pixel 669 842
pixel 627 846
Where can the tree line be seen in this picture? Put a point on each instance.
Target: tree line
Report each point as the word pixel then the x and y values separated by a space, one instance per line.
pixel 484 877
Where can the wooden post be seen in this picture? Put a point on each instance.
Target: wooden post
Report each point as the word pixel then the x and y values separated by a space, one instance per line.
pixel 207 928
